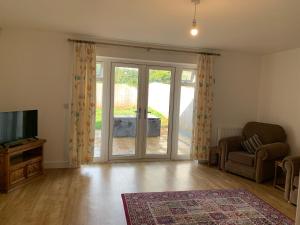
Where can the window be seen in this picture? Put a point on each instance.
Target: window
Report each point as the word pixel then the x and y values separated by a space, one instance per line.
pixel 187 89
pixel 99 109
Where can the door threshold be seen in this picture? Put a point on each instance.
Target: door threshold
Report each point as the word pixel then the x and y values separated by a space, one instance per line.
pixel 139 160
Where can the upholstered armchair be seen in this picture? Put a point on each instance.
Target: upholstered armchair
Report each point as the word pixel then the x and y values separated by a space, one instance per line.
pixel 292 167
pixel 258 166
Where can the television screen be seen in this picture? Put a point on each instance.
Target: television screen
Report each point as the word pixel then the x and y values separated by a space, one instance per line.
pixel 18 125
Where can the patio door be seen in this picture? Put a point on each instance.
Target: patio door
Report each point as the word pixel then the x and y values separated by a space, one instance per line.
pixel 125 115
pixel 158 111
pixel 141 108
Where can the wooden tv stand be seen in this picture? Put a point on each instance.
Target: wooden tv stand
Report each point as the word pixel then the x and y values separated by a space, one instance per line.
pixel 20 162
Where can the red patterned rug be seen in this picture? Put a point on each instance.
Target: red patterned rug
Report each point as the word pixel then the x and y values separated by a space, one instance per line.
pixel 212 207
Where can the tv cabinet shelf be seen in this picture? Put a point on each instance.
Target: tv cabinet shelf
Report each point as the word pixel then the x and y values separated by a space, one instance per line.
pixel 20 163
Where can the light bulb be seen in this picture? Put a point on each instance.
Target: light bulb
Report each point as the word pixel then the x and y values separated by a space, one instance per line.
pixel 194 31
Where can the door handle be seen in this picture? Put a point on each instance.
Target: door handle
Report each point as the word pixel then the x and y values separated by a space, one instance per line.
pixel 138 112
pixel 146 112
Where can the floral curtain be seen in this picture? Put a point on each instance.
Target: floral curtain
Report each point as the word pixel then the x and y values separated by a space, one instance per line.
pixel 82 122
pixel 203 109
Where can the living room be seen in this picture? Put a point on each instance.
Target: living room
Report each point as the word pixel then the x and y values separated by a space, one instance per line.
pixel 146 70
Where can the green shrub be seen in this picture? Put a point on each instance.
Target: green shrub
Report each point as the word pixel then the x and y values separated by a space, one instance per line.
pixel 130 76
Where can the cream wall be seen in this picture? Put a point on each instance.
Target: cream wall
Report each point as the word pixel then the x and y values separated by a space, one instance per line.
pixel 34 74
pixel 236 90
pixel 279 96
pixel 35 70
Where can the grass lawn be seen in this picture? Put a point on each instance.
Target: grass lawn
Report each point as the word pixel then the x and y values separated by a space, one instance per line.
pixel 128 111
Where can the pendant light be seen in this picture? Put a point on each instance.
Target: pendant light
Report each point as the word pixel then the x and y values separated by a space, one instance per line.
pixel 194 30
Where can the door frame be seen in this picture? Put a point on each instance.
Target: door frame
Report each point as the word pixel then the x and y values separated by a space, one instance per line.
pixel 171 112
pixel 177 96
pixel 107 121
pixel 138 137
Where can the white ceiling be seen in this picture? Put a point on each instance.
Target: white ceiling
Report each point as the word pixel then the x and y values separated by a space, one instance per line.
pixel 259 26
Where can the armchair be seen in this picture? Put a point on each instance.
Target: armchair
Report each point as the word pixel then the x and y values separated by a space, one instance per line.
pixel 292 167
pixel 258 166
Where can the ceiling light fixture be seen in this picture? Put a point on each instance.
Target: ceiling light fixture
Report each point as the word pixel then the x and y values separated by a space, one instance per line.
pixel 194 29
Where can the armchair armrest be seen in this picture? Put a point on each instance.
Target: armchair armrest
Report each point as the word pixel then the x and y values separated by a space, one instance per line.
pixel 227 145
pixel 292 166
pixel 272 151
pixel 266 154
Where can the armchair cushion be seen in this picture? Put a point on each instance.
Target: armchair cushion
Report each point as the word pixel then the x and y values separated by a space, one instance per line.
pixel 252 144
pixel 242 158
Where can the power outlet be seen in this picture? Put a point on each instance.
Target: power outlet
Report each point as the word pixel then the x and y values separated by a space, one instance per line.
pixel 66 106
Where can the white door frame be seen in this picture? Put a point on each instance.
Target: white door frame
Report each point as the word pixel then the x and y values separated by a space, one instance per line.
pixel 170 122
pixel 105 112
pixel 177 95
pixel 138 137
pixel 107 97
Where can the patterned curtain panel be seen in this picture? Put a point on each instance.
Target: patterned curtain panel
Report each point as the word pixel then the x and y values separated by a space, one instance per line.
pixel 203 109
pixel 82 123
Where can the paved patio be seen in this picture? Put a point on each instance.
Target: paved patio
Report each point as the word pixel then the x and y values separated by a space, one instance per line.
pixel 155 145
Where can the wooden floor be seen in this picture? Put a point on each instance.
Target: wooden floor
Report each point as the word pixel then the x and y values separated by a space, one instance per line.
pixel 91 195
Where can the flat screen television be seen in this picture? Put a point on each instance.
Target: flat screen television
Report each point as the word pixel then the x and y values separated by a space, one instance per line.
pixel 18 125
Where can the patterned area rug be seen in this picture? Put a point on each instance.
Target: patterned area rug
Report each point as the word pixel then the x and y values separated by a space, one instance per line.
pixel 212 207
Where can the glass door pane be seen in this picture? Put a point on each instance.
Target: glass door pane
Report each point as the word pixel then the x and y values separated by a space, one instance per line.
pixel 99 110
pixel 125 110
pixel 187 89
pixel 157 111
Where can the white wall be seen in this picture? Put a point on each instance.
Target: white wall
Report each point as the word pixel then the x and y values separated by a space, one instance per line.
pixel 35 70
pixel 279 96
pixel 34 74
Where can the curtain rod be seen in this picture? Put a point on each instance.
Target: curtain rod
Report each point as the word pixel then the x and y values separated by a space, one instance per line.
pixel 142 47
